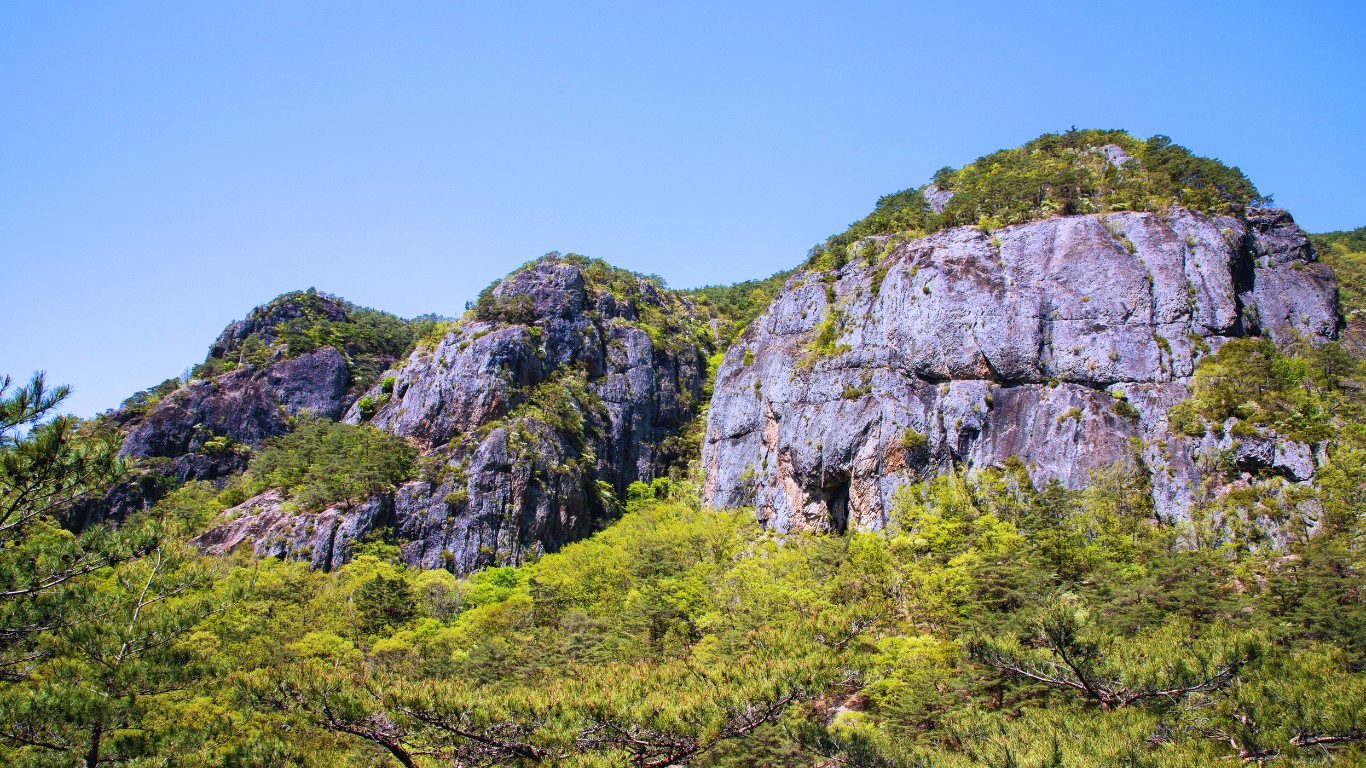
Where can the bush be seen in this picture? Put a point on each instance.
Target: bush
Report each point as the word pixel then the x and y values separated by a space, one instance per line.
pixel 913 441
pixel 1055 174
pixel 323 462
pixel 367 407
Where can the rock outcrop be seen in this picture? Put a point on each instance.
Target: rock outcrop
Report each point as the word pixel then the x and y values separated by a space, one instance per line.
pixel 245 406
pixel 1063 341
pixel 271 527
pixel 302 351
pixel 263 326
pixel 569 381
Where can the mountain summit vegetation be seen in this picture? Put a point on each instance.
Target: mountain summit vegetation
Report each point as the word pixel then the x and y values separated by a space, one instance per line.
pixel 349 540
pixel 1057 174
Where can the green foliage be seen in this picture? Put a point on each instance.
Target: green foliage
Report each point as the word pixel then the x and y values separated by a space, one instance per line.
pixel 736 306
pixel 992 622
pixel 323 462
pixel 1123 407
pixel 912 442
pixel 825 341
pixel 370 339
pixel 1345 252
pixel 1054 175
pixel 188 509
pixel 988 618
pixel 855 391
pixel 118 684
pixel 384 604
pixel 141 403
pixel 1352 240
pixel 47 465
pixel 493 307
pixel 367 406
pixel 1300 393
pixel 560 404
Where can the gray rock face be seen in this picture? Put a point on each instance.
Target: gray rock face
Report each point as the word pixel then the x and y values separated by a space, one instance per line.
pixel 316 381
pixel 1063 342
pixel 273 528
pixel 535 417
pixel 246 405
pixel 937 198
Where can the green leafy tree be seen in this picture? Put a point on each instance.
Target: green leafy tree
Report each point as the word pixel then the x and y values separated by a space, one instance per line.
pixel 114 685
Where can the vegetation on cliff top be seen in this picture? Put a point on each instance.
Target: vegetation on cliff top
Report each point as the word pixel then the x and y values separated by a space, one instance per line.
pixel 1345 252
pixel 1078 171
pixel 300 322
pixel 736 306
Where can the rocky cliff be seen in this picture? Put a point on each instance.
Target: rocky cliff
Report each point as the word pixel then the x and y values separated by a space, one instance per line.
pixel 1063 342
pixel 568 381
pixel 303 351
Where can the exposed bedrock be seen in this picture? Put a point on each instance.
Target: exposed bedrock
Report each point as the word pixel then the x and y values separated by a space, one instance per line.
pixel 532 420
pixel 1063 342
pixel 246 406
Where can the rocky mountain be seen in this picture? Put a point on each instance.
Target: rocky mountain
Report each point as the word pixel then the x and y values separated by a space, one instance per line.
pixel 303 351
pixel 565 383
pixel 569 381
pixel 1049 303
pixel 1063 342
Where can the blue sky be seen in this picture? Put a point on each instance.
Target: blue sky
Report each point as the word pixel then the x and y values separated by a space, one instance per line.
pixel 164 167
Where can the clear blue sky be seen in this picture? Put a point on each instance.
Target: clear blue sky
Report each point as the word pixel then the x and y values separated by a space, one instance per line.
pixel 164 167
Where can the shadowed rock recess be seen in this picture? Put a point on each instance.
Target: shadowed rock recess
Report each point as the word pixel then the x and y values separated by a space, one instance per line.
pixel 1063 342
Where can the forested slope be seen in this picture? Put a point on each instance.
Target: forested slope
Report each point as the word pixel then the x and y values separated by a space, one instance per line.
pixel 353 540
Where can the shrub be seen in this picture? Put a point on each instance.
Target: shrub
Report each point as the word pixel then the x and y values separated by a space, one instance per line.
pixel 323 462
pixel 219 445
pixel 913 442
pixel 1055 174
pixel 367 407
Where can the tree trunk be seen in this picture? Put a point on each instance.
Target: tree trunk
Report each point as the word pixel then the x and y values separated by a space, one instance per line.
pixel 92 755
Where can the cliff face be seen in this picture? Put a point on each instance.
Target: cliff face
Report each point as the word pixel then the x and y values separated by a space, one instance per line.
pixel 571 381
pixel 246 406
pixel 1063 341
pixel 285 358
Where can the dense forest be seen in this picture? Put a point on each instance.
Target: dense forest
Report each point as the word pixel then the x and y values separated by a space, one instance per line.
pixel 993 621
